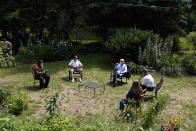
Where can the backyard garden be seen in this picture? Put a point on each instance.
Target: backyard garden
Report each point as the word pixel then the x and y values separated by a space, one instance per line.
pixel 159 36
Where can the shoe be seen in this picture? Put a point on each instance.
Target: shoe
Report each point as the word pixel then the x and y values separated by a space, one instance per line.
pixel 113 85
pixel 73 81
pixel 80 79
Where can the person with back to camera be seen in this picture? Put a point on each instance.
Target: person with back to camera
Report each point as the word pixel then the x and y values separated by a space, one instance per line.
pixel 147 83
pixel 135 93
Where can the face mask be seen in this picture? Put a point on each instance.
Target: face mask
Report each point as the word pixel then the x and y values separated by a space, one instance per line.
pixel 41 64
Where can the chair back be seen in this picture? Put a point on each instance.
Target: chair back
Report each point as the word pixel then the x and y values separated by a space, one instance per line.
pixel 128 71
pixel 32 70
pixel 159 85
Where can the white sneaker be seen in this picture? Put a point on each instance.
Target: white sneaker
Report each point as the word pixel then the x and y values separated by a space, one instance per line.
pixel 73 81
pixel 80 79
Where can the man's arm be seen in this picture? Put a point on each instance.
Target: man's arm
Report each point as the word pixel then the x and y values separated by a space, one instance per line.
pixel 38 72
pixel 80 65
pixel 70 64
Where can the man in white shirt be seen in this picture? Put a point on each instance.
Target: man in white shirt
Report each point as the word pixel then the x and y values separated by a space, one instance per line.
pixel 147 82
pixel 120 70
pixel 75 66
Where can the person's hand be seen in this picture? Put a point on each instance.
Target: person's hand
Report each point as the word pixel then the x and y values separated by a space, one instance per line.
pixel 46 71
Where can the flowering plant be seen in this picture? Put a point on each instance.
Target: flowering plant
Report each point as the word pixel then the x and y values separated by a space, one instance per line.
pixel 172 125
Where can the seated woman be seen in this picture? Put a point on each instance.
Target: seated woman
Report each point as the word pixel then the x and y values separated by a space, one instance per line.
pixel 134 93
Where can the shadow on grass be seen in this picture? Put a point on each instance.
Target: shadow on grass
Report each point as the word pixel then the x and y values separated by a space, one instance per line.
pixel 148 98
pixel 31 88
pixel 66 79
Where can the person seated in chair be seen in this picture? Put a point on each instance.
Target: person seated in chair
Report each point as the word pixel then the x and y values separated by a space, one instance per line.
pixel 75 66
pixel 134 93
pixel 41 74
pixel 119 70
pixel 147 82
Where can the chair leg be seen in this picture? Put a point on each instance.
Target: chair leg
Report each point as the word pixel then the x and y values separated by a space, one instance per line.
pixel 121 81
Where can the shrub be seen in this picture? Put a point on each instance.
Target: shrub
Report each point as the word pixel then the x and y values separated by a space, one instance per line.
pixel 25 54
pixel 136 69
pixel 153 109
pixel 3 95
pixel 60 123
pixel 8 123
pixel 155 51
pixel 189 64
pixel 184 44
pixel 171 70
pixel 53 50
pixel 17 102
pixel 127 41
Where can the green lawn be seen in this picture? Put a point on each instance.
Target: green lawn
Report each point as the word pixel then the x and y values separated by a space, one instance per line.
pixel 99 112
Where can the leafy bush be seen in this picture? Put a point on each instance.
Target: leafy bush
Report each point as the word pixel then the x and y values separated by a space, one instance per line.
pixel 171 70
pixel 3 95
pixel 137 69
pixel 153 109
pixel 127 41
pixel 54 50
pixel 60 123
pixel 17 102
pixel 189 64
pixel 25 54
pixel 155 51
pixel 184 44
pixel 8 123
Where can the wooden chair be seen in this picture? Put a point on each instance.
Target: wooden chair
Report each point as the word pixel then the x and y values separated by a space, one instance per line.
pixel 34 76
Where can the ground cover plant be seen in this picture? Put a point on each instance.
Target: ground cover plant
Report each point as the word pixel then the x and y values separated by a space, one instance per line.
pixel 100 112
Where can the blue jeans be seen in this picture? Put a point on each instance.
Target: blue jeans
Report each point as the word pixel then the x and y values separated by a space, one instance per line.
pixel 122 102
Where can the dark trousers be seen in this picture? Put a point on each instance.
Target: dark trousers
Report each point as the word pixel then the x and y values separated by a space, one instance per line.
pixel 147 88
pixel 116 75
pixel 41 80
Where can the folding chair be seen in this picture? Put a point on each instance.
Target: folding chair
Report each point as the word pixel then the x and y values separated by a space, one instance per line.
pixel 75 72
pixel 158 86
pixel 34 76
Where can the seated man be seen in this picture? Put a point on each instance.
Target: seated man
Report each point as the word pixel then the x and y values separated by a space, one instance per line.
pixel 75 66
pixel 7 52
pixel 119 70
pixel 147 82
pixel 41 74
pixel 134 93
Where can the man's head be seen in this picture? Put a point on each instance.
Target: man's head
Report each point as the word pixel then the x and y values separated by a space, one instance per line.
pixel 122 61
pixel 75 57
pixel 39 62
pixel 144 72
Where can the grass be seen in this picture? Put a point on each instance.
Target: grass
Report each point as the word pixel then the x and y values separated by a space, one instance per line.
pixel 100 112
